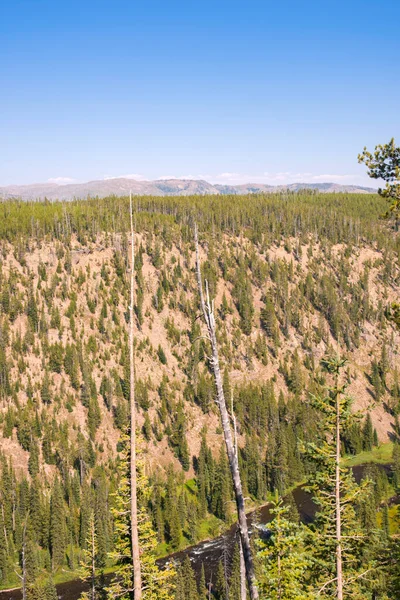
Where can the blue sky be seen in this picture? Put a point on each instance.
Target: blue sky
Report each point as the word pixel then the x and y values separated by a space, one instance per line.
pixel 223 90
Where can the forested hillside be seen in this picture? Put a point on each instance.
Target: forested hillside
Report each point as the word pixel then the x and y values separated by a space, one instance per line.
pixel 294 277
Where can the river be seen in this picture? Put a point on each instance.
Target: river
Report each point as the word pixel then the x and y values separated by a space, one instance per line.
pixel 212 551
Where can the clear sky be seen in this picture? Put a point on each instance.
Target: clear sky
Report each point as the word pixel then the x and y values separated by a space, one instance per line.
pixel 267 91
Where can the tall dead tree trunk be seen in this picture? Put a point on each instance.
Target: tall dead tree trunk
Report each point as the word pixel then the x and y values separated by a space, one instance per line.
pixel 24 576
pixel 207 308
pixel 93 562
pixel 137 575
pixel 339 566
pixel 243 590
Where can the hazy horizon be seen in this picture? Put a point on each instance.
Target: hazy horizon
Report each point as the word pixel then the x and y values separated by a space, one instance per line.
pixel 320 180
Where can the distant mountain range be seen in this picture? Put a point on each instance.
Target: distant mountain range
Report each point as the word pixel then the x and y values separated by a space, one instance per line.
pixel 161 187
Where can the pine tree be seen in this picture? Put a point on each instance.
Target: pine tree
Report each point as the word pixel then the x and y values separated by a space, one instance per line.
pixel 234 580
pixel 4 374
pixel 157 583
pixel 28 562
pixel 45 391
pixel 32 311
pixel 102 520
pixel 88 566
pixel 283 558
pixel 33 463
pixel 221 583
pixel 221 494
pixel 296 383
pixel 179 585
pixel 270 322
pixel 338 538
pixel 368 434
pixel 186 582
pixel 203 475
pixel 43 591
pixel 386 521
pixel 385 164
pixel 396 464
pixel 203 595
pixel 277 460
pixel 376 380
pixel 57 525
pixel 161 355
pixel 178 437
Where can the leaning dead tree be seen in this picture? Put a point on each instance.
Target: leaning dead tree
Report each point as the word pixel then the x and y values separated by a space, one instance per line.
pixel 207 308
pixel 243 591
pixel 137 575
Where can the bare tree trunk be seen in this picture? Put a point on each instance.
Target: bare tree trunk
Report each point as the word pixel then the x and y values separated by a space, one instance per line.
pixel 93 561
pixel 279 577
pixel 243 590
pixel 339 570
pixel 137 575
pixel 208 314
pixel 24 578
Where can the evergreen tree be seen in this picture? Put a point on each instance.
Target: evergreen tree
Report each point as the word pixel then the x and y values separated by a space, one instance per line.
pixel 338 539
pixel 4 374
pixel 57 525
pixel 396 464
pixel 234 580
pixel 368 434
pixel 157 583
pixel 43 591
pixel 221 493
pixel 203 595
pixel 186 587
pixel 385 164
pixel 221 583
pixel 33 463
pixel 88 570
pixel 283 558
pixel 32 311
pixel 270 322
pixel 45 391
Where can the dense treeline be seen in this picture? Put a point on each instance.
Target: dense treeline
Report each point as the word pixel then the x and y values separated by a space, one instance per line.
pixel 335 217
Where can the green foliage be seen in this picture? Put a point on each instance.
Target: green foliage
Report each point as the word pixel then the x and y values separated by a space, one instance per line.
pixel 157 584
pixel 58 531
pixel 269 321
pixel 56 358
pixel 42 591
pixel 384 164
pixel 284 558
pixel 330 475
pixel 292 263
pixel 368 434
pixel 178 439
pixel 90 561
pixel 243 296
pixel 186 587
pixel 161 355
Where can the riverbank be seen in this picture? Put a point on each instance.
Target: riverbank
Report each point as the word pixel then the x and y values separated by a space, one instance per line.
pixel 209 550
pixel 381 455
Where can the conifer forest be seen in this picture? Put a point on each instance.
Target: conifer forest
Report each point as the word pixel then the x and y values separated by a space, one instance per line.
pixel 171 364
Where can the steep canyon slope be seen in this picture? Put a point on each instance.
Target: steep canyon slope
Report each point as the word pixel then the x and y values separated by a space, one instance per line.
pixel 293 278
